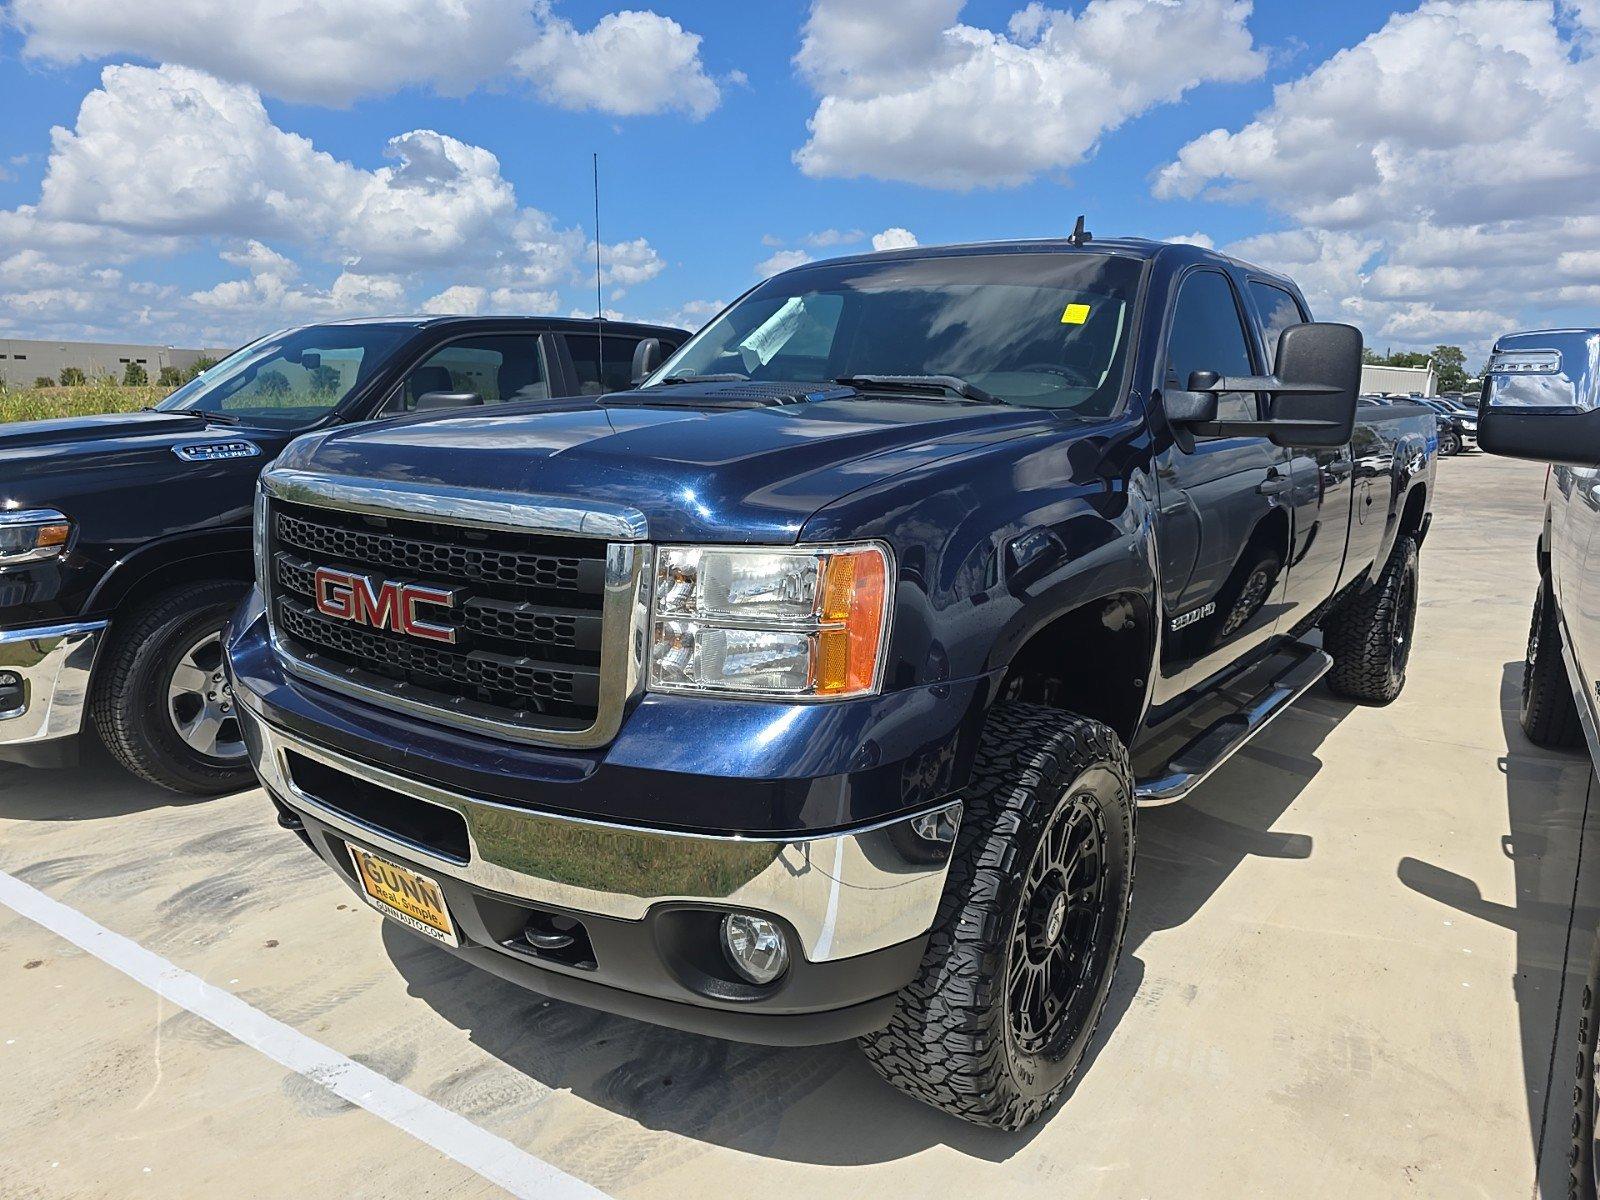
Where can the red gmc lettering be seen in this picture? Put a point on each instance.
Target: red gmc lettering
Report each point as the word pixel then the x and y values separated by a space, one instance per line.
pixel 347 596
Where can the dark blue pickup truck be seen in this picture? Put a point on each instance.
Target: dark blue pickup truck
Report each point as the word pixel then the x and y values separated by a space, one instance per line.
pixel 809 690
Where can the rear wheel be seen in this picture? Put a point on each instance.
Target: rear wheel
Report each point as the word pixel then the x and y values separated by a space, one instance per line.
pixel 1449 444
pixel 162 703
pixel 1549 713
pixel 1030 927
pixel 1369 635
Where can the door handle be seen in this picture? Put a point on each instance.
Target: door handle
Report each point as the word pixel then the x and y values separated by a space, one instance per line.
pixel 1273 484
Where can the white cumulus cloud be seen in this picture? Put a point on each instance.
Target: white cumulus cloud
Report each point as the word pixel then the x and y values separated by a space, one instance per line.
pixel 1440 171
pixel 894 238
pixel 334 52
pixel 781 261
pixel 907 92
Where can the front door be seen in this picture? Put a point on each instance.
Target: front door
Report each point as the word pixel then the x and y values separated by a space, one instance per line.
pixel 1221 533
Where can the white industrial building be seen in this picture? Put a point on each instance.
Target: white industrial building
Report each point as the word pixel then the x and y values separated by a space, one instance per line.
pixel 1399 381
pixel 23 361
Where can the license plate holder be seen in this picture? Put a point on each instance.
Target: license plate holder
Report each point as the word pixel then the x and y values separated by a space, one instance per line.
pixel 404 895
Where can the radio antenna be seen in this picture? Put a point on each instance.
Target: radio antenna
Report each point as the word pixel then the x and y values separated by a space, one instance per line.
pixel 599 299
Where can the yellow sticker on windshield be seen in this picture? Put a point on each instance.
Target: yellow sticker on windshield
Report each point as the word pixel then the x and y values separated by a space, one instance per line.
pixel 1075 314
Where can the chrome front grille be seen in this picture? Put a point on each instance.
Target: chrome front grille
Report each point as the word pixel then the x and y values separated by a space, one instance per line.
pixel 541 640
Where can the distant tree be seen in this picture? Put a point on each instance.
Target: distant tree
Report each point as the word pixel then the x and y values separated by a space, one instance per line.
pixel 204 363
pixel 44 381
pixel 135 375
pixel 1451 362
pixel 1371 358
pixel 170 377
pixel 325 380
pixel 272 383
pixel 72 377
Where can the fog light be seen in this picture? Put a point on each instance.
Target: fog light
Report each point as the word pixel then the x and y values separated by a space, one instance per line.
pixel 755 947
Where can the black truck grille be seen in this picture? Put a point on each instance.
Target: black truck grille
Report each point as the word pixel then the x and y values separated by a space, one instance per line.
pixel 526 620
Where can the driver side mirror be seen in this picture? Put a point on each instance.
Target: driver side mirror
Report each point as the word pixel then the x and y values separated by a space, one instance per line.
pixel 646 358
pixel 438 401
pixel 1540 398
pixel 1313 389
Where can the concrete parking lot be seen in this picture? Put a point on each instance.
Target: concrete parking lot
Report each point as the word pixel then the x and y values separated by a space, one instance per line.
pixel 1351 972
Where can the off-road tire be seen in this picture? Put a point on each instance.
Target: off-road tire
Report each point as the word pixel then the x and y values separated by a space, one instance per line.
pixel 1581 1157
pixel 129 698
pixel 949 1043
pixel 1549 714
pixel 1369 666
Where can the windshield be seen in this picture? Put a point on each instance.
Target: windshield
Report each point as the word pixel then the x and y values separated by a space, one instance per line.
pixel 1043 330
pixel 290 379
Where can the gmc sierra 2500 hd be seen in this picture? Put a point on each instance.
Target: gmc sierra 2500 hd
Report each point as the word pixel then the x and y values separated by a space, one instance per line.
pixel 808 691
pixel 125 539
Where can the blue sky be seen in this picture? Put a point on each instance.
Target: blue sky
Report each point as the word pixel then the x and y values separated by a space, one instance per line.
pixel 164 186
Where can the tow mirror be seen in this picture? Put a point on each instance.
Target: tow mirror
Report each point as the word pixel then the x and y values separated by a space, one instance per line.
pixel 1313 391
pixel 436 401
pixel 646 358
pixel 1539 398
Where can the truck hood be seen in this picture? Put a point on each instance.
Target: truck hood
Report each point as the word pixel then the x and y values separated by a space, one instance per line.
pixel 121 431
pixel 697 469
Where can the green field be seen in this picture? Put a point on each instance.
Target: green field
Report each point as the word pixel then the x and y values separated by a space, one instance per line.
pixel 39 404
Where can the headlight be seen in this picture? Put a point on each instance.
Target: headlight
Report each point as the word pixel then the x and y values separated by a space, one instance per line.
pixel 32 534
pixel 770 622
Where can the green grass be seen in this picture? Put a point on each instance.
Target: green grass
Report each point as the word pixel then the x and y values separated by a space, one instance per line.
pixel 39 404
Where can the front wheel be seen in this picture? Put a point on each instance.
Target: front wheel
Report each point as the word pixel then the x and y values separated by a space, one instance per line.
pixel 1030 927
pixel 1369 635
pixel 1549 714
pixel 162 703
pixel 1449 445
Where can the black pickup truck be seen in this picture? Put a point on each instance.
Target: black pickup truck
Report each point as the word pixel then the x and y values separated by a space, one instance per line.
pixel 809 690
pixel 125 539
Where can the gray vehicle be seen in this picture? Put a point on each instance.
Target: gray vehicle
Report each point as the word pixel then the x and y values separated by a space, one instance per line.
pixel 1542 402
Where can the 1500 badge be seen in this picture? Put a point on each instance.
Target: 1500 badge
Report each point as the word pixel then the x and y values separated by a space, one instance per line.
pixel 1189 618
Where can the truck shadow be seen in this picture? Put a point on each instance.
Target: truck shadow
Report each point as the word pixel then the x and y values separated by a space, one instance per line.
pixel 1546 794
pixel 824 1105
pixel 96 788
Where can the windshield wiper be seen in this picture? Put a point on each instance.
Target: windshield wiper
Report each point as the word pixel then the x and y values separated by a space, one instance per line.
pixel 920 385
pixel 731 377
pixel 219 418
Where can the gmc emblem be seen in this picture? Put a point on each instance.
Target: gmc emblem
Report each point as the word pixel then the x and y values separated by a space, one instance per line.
pixel 389 604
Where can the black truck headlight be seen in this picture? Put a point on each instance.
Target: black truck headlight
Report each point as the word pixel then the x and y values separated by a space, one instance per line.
pixel 32 535
pixel 807 623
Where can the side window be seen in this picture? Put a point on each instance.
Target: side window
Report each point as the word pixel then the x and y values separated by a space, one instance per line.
pixel 491 369
pixel 1208 335
pixel 1278 310
pixel 615 374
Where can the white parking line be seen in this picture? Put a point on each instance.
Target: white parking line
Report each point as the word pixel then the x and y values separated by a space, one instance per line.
pixel 492 1157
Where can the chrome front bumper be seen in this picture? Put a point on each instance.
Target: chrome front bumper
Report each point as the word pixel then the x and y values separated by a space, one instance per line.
pixel 844 894
pixel 53 663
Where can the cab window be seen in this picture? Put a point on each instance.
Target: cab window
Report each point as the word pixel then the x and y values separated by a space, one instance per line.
pixel 615 373
pixel 1278 310
pixel 475 371
pixel 1208 334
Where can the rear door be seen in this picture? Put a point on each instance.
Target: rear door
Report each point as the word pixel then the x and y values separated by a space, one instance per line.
pixel 1222 539
pixel 1317 491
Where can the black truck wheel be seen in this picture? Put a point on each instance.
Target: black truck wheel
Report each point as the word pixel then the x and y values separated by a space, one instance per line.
pixel 1549 713
pixel 1449 444
pixel 161 701
pixel 1369 635
pixel 1581 1158
pixel 1030 926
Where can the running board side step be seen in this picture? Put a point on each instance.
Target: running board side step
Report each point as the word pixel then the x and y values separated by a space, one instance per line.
pixel 1208 750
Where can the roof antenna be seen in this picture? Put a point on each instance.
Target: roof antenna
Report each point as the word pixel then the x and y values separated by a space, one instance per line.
pixel 599 301
pixel 1080 235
